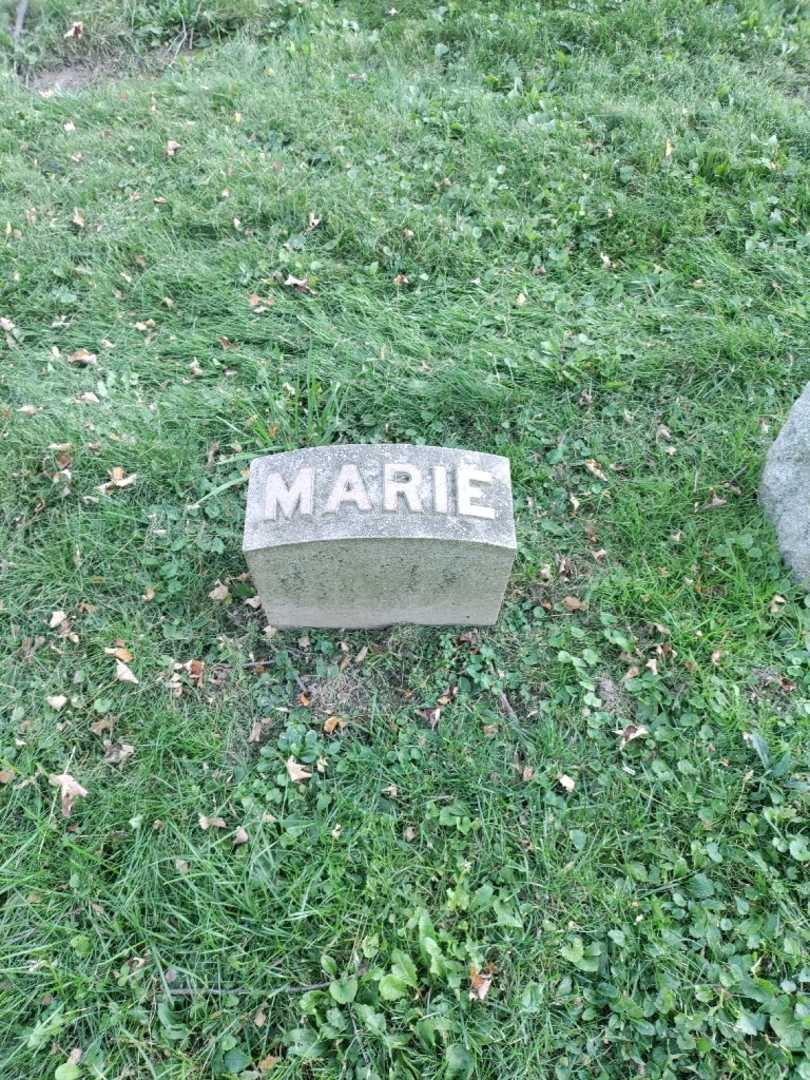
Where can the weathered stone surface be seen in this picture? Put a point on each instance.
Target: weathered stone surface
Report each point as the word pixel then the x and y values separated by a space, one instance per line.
pixel 785 488
pixel 362 536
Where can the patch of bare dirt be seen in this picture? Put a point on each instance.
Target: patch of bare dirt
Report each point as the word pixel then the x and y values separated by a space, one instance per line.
pixel 346 693
pixel 68 79
pixel 614 698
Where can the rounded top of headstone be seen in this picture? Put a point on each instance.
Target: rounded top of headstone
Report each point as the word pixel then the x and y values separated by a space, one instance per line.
pixel 378 491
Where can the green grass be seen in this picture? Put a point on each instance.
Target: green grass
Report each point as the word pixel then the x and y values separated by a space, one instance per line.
pixel 603 213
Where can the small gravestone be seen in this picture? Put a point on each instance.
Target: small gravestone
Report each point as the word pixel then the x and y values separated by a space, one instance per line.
pixel 361 536
pixel 785 488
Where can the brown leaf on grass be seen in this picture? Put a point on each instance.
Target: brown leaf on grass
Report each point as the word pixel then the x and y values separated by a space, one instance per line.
pixel 77 219
pixel 410 833
pixel 181 866
pixel 254 602
pixel 6 776
pixel 490 730
pixel 82 357
pixel 70 790
pixel 299 284
pixel 123 673
pixel 256 732
pixel 172 148
pixel 595 469
pixel 220 593
pixel 240 836
pixel 268 1063
pixel 296 772
pixel 76 30
pixel 148 595
pixel 211 822
pixel 117 753
pixel 400 280
pixel 480 982
pixel 630 732
pixel 105 723
pixel 527 774
pixel 566 782
pixel 334 723
pixel 777 603
pixel 57 618
pixel 57 701
pixel 573 603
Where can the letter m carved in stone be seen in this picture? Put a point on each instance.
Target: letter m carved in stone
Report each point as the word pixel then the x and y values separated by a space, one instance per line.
pixel 298 496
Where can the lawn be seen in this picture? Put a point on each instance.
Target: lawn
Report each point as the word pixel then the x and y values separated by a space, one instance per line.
pixel 574 845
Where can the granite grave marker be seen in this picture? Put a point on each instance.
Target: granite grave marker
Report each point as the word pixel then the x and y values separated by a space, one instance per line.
pixel 370 535
pixel 785 488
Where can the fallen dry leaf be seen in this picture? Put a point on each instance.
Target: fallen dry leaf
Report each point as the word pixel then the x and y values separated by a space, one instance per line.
pixel 777 603
pixel 296 771
pixel 573 603
pixel 57 701
pixel 117 753
pixel 82 357
pixel 528 773
pixel 253 602
pixel 57 618
pixel 181 866
pixel 123 673
pixel 566 782
pixel 480 982
pixel 148 595
pixel 78 219
pixel 299 284
pixel 333 723
pixel 120 652
pixel 267 1063
pixel 410 833
pixel 220 593
pixel 521 299
pixel 76 30
pixel 70 790
pixel 118 479
pixel 105 723
pixel 630 732
pixel 490 730
pixel 211 822
pixel 256 732
pixel 172 147
pixel 594 469
pixel 240 836
pixel 6 776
